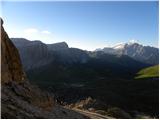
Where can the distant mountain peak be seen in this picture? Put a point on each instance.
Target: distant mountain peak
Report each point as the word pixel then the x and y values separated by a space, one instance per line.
pixel 119 46
pixel 64 44
pixel 58 46
pixel 17 39
pixel 133 43
pixel 146 54
pixel 123 45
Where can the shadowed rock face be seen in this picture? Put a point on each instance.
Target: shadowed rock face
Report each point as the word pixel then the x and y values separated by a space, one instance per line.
pixel 11 67
pixel 33 54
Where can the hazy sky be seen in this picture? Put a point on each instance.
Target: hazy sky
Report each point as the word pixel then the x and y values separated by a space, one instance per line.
pixel 85 25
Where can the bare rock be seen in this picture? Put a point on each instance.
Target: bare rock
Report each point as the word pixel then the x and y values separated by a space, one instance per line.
pixel 11 67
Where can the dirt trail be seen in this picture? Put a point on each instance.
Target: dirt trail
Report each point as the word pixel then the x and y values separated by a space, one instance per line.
pixel 92 115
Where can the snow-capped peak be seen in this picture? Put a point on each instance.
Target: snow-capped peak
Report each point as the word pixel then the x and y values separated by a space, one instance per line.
pixel 119 46
pixel 122 45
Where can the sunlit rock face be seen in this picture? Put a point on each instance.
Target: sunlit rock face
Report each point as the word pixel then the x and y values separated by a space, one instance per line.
pixel 11 67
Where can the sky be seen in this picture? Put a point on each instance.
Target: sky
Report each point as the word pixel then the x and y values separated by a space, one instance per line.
pixel 85 24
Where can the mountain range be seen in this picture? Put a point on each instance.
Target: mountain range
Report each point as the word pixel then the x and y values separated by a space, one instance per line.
pixel 106 75
pixel 145 54
pixel 36 53
pixel 40 59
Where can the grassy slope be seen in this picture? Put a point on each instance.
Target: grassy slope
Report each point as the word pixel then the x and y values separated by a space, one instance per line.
pixel 149 72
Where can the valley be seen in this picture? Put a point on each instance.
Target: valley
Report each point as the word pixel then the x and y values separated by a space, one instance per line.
pixel 73 75
pixel 84 59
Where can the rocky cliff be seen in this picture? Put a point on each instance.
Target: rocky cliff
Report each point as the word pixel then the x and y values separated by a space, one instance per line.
pixel 33 54
pixel 20 99
pixel 58 46
pixel 10 60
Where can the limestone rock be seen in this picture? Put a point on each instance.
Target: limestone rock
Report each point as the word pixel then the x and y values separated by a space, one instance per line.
pixel 11 67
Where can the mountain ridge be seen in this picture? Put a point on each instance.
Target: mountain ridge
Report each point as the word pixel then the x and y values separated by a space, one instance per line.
pixel 59 52
pixel 146 54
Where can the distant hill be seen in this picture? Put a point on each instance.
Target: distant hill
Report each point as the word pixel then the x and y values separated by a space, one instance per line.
pixel 146 54
pixel 149 72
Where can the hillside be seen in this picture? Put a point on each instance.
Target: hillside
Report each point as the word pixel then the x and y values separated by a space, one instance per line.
pixel 149 72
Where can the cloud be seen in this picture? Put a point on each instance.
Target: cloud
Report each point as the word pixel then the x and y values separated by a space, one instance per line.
pixel 31 30
pixel 34 30
pixel 46 32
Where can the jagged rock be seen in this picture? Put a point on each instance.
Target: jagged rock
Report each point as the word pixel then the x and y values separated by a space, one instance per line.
pixel 11 67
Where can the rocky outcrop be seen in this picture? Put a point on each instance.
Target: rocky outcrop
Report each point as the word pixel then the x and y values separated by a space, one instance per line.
pixel 20 99
pixel 11 67
pixel 25 101
pixel 16 91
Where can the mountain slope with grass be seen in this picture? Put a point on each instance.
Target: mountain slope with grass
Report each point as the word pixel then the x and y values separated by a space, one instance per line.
pixel 149 72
